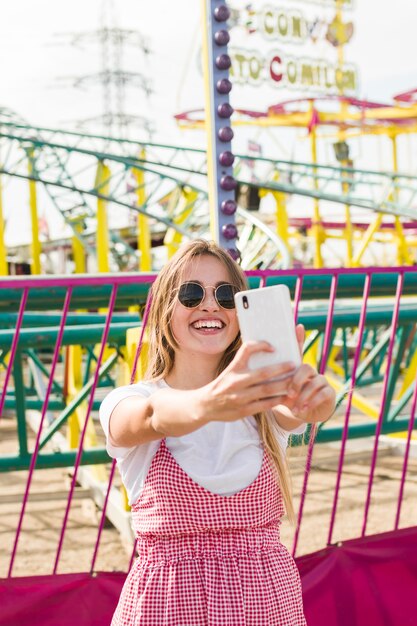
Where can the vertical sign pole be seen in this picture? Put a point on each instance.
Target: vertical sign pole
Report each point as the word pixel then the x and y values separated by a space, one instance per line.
pixel 221 183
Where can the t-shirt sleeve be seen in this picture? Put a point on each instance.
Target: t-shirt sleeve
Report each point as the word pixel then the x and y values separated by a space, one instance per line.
pixel 107 407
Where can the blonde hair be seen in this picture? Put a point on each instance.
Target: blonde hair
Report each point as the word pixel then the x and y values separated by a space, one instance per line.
pixel 162 343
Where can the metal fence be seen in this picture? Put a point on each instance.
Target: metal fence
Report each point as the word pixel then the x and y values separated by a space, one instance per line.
pixel 65 342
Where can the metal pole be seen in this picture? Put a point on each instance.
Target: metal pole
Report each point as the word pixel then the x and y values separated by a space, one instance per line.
pixel 33 205
pixel 144 231
pixel 102 185
pixel 221 183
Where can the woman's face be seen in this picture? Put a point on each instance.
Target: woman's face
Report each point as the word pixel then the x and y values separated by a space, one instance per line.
pixel 207 329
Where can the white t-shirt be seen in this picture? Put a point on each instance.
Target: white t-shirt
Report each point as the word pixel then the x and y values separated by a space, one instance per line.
pixel 223 457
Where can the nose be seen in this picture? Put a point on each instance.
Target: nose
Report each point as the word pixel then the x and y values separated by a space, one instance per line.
pixel 209 302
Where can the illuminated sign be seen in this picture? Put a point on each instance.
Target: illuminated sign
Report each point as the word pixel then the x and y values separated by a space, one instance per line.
pixel 278 23
pixel 292 26
pixel 299 73
pixel 289 26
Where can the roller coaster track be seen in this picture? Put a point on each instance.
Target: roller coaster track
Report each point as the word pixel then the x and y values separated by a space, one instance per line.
pixel 172 180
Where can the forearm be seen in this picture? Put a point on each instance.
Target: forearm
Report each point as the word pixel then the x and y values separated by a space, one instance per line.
pixel 173 412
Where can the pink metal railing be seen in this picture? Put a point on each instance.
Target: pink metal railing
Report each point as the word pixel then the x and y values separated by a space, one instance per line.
pixel 69 283
pixel 38 436
pixel 322 367
pixel 25 285
pixel 84 430
pixel 13 347
pixel 366 291
pixel 394 323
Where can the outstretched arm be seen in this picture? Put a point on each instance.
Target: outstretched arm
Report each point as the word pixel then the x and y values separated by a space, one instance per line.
pixel 236 393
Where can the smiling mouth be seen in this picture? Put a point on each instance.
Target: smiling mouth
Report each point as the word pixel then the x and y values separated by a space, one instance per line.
pixel 208 325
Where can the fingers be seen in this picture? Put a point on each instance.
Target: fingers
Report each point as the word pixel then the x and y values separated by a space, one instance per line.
pixel 309 392
pixel 319 408
pixel 278 370
pixel 240 362
pixel 303 375
pixel 259 406
pixel 248 348
pixel 246 392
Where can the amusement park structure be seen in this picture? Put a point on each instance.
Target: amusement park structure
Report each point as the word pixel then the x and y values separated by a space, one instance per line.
pixel 162 191
pixel 65 341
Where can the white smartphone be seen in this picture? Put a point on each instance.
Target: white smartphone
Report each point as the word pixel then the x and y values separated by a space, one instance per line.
pixel 265 314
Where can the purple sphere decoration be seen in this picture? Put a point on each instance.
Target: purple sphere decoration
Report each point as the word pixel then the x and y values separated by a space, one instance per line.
pixel 221 13
pixel 224 110
pixel 222 37
pixel 229 231
pixel 223 62
pixel 226 158
pixel 225 133
pixel 234 253
pixel 228 183
pixel 224 86
pixel 228 207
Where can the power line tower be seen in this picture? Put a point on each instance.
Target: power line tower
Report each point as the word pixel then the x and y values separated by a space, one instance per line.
pixel 113 76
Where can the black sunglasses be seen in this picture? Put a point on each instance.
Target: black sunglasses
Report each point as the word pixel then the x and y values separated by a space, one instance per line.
pixel 192 294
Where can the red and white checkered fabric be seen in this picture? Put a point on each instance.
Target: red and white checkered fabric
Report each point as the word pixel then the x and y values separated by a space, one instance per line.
pixel 206 559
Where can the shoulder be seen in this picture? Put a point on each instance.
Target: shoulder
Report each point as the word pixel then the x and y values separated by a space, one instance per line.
pixel 143 389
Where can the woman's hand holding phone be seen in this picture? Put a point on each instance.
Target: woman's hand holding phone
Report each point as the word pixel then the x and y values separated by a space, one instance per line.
pixel 267 314
pixel 240 391
pixel 309 396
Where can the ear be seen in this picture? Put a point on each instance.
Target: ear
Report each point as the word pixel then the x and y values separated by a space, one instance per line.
pixel 300 334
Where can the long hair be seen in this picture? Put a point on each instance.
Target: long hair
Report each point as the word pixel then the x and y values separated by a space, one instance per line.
pixel 162 343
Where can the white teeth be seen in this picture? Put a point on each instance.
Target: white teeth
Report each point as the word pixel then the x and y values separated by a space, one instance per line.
pixel 208 324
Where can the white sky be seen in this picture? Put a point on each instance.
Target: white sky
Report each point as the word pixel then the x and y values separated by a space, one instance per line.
pixel 32 58
pixel 384 47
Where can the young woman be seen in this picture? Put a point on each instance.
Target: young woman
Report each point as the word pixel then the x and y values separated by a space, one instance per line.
pixel 201 449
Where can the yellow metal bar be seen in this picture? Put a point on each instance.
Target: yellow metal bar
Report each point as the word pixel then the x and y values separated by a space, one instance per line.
pixel 339 18
pixel 78 253
pixel 348 230
pixel 172 237
pixel 311 356
pixel 403 254
pixel 282 216
pixel 102 185
pixel 35 266
pixel 144 232
pixel 342 137
pixel 281 209
pixel 77 421
pixel 3 250
pixel 370 231
pixel 332 363
pixel 316 228
pixel 132 340
pixel 409 376
pixel 358 401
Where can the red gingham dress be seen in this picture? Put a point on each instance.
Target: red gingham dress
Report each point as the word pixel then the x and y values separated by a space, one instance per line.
pixel 206 559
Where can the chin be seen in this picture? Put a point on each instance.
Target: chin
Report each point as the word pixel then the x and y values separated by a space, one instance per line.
pixel 211 350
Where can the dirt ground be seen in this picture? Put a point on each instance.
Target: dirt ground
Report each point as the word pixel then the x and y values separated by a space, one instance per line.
pixel 38 543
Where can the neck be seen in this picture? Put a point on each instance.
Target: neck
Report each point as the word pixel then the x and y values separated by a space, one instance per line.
pixel 189 372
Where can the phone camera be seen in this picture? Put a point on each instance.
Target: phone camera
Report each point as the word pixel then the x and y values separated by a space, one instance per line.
pixel 245 302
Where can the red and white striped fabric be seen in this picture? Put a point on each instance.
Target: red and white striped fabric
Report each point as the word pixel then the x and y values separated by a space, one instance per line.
pixel 206 559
